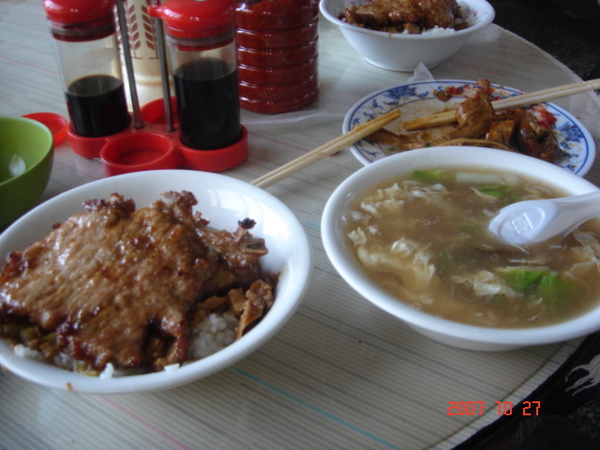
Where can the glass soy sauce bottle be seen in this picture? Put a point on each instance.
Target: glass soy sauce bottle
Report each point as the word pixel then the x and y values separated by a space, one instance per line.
pixel 202 55
pixel 87 50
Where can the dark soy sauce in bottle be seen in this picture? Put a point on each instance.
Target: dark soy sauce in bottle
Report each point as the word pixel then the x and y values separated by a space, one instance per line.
pixel 97 106
pixel 207 103
pixel 85 42
pixel 202 52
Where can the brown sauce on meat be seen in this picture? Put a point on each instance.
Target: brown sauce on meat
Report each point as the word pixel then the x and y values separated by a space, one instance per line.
pixel 122 286
pixel 410 16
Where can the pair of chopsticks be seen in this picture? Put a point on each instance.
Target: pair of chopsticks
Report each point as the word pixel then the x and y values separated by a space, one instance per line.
pixel 364 130
pixel 356 134
pixel 532 98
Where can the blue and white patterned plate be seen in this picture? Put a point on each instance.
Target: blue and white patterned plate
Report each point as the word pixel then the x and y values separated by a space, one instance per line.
pixel 419 99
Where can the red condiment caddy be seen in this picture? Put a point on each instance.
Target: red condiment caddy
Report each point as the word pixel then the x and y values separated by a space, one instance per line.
pixel 201 38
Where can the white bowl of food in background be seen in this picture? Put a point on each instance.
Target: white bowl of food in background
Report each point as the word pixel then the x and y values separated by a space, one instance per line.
pixel 399 50
pixel 167 242
pixel 400 234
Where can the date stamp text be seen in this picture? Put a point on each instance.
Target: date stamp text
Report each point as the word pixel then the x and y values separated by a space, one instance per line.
pixel 529 408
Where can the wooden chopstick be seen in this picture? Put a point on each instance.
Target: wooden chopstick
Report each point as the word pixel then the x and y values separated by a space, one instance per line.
pixel 532 98
pixel 333 146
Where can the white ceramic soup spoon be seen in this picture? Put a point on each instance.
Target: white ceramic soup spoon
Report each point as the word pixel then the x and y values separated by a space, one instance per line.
pixel 535 221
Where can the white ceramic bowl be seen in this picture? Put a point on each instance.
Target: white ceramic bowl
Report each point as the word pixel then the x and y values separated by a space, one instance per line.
pixel 223 201
pixel 442 330
pixel 404 52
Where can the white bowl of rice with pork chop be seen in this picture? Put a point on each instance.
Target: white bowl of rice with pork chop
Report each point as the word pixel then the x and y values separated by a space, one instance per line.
pixel 401 34
pixel 147 281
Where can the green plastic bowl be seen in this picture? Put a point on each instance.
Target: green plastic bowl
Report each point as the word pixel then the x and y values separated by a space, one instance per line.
pixel 26 155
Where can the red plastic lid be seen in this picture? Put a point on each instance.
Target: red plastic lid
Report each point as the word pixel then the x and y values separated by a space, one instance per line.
pixel 138 151
pixel 55 122
pixel 278 75
pixel 78 11
pixel 279 92
pixel 216 160
pixel 196 19
pixel 278 57
pixel 154 111
pixel 277 15
pixel 263 107
pixel 277 38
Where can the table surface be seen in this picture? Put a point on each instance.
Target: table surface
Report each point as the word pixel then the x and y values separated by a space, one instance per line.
pixel 341 373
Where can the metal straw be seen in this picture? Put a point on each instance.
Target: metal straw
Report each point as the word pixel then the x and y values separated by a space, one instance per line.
pixel 164 71
pixel 135 103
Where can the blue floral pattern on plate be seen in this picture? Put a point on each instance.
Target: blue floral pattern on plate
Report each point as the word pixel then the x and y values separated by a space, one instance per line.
pixel 572 137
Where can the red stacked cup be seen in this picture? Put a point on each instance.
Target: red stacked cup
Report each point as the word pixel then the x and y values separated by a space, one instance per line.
pixel 277 45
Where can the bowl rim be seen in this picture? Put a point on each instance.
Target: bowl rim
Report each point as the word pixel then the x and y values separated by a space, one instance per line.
pixel 350 271
pixel 48 151
pixel 481 5
pixel 271 324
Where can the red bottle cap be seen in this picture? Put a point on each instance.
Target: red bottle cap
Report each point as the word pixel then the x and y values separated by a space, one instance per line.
pixel 78 11
pixel 185 19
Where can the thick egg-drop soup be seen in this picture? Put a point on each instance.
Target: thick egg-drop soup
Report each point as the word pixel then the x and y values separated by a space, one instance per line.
pixel 425 240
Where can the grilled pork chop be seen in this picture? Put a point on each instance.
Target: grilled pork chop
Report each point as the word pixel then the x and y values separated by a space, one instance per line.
pixel 118 285
pixel 412 16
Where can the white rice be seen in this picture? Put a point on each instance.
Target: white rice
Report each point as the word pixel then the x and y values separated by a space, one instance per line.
pixel 23 351
pixel 212 334
pixel 108 372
